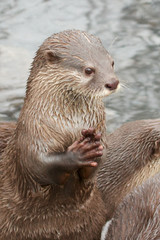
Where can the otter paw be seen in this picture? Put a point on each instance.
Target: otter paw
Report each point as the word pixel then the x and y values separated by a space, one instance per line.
pixel 91 133
pixel 88 148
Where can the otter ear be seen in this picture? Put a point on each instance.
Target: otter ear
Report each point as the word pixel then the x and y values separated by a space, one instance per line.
pixel 52 56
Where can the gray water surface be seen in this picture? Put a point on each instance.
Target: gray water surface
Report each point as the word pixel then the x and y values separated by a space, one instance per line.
pixel 129 29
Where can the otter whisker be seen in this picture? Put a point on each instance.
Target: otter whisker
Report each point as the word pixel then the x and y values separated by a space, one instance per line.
pixel 112 43
pixel 124 85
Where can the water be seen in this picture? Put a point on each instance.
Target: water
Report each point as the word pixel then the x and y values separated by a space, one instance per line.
pixel 129 29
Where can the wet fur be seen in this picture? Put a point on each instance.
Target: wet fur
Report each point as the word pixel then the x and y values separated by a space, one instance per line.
pixel 132 155
pixel 58 96
pixel 76 210
pixel 138 216
pixel 6 130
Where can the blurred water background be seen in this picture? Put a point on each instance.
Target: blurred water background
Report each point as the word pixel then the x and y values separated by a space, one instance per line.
pixel 129 29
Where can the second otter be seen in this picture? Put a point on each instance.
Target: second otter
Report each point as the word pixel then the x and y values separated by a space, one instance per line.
pixel 137 217
pixel 132 156
pixel 47 186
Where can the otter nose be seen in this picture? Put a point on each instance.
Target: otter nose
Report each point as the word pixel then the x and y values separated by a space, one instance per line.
pixel 112 85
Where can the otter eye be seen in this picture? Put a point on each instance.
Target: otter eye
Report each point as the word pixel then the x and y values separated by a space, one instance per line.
pixel 89 71
pixel 112 63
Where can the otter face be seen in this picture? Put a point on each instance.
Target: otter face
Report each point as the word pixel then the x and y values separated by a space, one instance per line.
pixel 83 64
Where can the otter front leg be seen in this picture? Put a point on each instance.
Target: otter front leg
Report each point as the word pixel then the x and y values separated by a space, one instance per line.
pixel 57 168
pixel 86 151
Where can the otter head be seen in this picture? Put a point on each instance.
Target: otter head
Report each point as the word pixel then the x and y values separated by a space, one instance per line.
pixel 73 61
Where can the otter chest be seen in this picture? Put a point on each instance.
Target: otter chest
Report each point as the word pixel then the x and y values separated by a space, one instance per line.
pixel 67 129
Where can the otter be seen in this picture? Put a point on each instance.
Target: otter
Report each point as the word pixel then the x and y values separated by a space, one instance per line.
pixel 137 217
pixel 49 158
pixel 132 155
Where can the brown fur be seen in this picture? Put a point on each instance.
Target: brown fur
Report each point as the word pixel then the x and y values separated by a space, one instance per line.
pixel 133 155
pixel 138 216
pixel 6 130
pixel 60 101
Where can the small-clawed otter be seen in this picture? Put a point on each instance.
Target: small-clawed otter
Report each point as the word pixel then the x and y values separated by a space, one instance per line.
pixel 47 184
pixel 138 216
pixel 131 158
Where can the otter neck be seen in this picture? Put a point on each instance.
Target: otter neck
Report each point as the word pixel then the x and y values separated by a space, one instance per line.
pixel 61 115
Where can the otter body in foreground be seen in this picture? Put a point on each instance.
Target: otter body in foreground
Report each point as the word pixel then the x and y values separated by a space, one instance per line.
pixel 132 156
pixel 47 185
pixel 138 216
